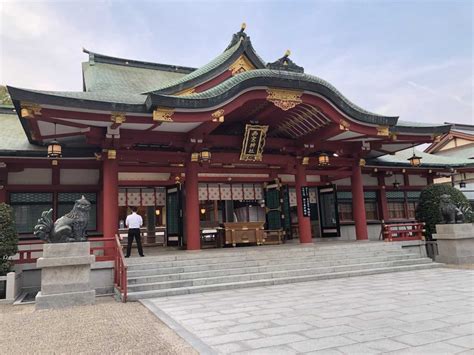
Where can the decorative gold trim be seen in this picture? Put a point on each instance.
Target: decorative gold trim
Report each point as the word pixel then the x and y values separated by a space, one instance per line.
pixel 362 162
pixel 195 157
pixel 111 154
pixel 284 99
pixel 383 131
pixel 186 92
pixel 305 161
pixel 242 64
pixel 218 116
pixel 163 115
pixel 118 117
pixel 393 136
pixel 54 162
pixel 29 110
pixel 98 156
pixel 344 125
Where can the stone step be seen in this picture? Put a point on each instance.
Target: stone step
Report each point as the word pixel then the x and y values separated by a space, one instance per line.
pixel 197 271
pixel 134 296
pixel 270 275
pixel 268 250
pixel 271 257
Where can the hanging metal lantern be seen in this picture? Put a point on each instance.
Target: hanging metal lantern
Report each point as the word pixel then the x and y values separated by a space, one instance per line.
pixel 323 159
pixel 205 155
pixel 54 149
pixel 415 160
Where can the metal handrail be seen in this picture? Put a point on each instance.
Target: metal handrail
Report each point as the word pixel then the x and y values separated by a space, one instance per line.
pixel 120 270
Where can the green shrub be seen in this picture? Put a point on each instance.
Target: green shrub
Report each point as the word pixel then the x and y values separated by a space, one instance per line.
pixel 428 206
pixel 8 238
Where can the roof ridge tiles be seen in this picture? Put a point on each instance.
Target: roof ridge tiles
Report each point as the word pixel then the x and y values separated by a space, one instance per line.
pixel 102 58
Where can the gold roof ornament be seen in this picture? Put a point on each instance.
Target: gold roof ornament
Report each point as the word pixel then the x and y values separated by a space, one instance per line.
pixel 242 64
pixel 284 99
pixel 243 26
pixel 30 110
pixel 163 115
pixel 383 131
pixel 344 125
pixel 111 154
pixel 218 116
pixel 117 117
pixel 287 53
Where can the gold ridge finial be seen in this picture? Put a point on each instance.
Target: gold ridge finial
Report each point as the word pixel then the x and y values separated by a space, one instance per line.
pixel 287 53
pixel 243 26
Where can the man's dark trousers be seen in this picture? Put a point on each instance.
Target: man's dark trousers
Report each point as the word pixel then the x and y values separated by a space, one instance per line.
pixel 134 233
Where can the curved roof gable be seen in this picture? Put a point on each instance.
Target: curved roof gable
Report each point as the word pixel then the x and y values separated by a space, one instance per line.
pixel 239 46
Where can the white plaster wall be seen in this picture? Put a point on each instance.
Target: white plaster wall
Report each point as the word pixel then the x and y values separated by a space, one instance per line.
pixel 286 177
pixel 417 180
pixel 30 176
pixel 389 180
pixel 313 178
pixel 348 232
pixel 79 176
pixel 368 180
pixel 343 182
pixel 143 176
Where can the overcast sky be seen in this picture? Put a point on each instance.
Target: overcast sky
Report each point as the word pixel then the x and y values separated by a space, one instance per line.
pixel 409 58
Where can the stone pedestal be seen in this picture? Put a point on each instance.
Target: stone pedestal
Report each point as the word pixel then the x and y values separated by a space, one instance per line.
pixel 455 243
pixel 65 276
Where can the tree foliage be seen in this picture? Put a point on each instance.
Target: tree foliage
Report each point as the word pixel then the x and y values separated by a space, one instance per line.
pixel 8 238
pixel 5 97
pixel 428 207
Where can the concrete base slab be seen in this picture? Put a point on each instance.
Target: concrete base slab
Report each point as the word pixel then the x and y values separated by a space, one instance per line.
pixel 65 276
pixel 62 300
pixel 455 243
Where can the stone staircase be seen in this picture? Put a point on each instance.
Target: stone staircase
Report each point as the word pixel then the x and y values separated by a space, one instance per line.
pixel 179 273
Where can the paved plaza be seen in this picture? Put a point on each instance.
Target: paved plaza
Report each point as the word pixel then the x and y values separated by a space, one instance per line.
pixel 415 312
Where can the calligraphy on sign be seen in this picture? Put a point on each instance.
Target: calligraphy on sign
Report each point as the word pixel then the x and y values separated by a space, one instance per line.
pixel 306 203
pixel 254 142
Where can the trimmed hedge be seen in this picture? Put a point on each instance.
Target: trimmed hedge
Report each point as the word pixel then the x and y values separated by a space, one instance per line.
pixel 428 206
pixel 8 238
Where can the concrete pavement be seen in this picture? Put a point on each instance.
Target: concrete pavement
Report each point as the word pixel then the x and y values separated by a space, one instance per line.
pixel 415 312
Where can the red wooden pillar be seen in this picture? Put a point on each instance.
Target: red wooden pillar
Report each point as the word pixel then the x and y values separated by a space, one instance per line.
pixel 358 204
pixel 110 208
pixel 193 238
pixel 304 223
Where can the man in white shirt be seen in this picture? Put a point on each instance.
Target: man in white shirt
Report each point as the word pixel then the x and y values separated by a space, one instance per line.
pixel 134 221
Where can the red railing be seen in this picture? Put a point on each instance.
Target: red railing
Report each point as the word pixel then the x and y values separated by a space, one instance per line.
pixel 105 252
pixel 120 270
pixel 403 231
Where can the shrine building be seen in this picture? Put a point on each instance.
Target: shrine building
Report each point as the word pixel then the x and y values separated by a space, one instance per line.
pixel 262 151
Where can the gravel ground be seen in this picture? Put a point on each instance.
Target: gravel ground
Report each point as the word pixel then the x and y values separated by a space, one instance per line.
pixel 107 327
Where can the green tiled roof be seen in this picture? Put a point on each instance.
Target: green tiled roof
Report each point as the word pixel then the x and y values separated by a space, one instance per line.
pixel 124 79
pixel 225 86
pixel 12 135
pixel 431 160
pixel 102 96
pixel 213 64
